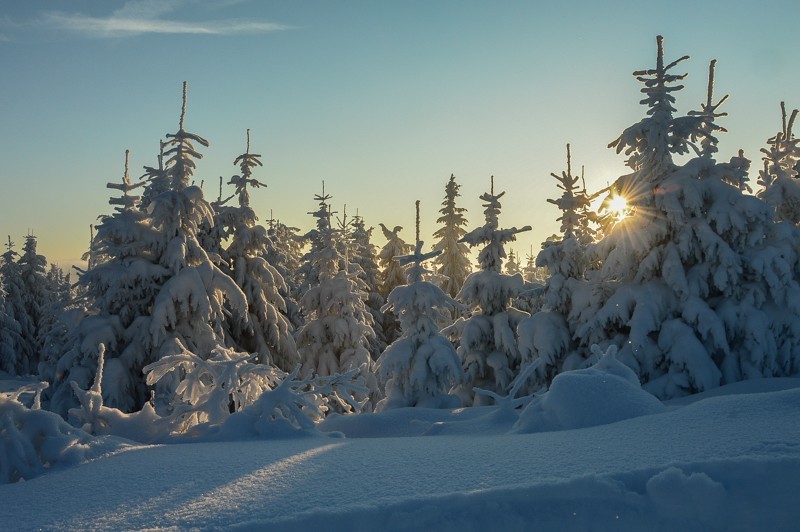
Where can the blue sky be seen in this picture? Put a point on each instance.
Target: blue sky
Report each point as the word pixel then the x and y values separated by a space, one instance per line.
pixel 382 100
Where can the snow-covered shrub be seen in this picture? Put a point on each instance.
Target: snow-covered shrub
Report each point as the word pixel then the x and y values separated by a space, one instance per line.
pixel 210 389
pixel 34 441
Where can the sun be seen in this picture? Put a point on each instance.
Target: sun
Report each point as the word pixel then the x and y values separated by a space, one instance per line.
pixel 618 206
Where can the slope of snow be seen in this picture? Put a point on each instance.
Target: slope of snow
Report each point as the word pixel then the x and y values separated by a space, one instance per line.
pixel 722 463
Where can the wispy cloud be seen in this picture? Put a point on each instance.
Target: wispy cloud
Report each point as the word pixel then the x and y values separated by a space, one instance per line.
pixel 140 17
pixel 4 38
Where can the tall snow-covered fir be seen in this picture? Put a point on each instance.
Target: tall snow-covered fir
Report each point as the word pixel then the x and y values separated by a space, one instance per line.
pixel 154 291
pixel 697 286
pixel 265 328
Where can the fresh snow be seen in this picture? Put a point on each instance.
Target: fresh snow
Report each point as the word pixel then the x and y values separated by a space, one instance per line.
pixel 727 462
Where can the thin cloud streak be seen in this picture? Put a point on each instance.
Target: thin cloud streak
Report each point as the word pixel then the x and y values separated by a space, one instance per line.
pixel 117 26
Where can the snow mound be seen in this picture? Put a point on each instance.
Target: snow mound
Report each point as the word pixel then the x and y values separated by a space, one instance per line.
pixel 33 442
pixel 604 393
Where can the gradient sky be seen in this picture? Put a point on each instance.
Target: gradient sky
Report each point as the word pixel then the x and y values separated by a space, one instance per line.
pixel 382 100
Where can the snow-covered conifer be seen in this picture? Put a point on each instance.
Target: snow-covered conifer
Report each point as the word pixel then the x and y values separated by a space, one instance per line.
pixel 265 329
pixel 284 255
pixel 563 256
pixel 533 273
pixel 307 274
pixel 33 271
pixel 10 338
pixel 392 274
pixel 454 261
pixel 487 343
pixel 365 256
pixel 335 337
pixel 420 367
pixel 118 291
pixel 779 177
pixel 512 266
pixel 696 285
pixel 21 348
pixel 153 284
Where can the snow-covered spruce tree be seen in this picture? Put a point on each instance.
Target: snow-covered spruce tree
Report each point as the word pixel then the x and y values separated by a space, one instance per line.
pixel 60 297
pixel 532 273
pixel 118 290
pixel 420 367
pixel 33 271
pixel 335 337
pixel 154 282
pixel 565 257
pixel 307 274
pixel 512 266
pixel 9 338
pixel 156 179
pixel 453 262
pixel 697 285
pixel 188 309
pixel 364 255
pixel 21 348
pixel 284 255
pixel 392 274
pixel 779 178
pixel 487 344
pixel 265 330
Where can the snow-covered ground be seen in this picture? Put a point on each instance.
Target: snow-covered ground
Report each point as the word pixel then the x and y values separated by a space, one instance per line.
pixel 729 461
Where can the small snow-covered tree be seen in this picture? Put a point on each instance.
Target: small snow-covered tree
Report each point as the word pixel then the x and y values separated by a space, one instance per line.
pixel 364 255
pixel 284 255
pixel 392 273
pixel 454 261
pixel 512 266
pixel 420 367
pixel 335 337
pixel 487 344
pixel 779 178
pixel 52 333
pixel 533 273
pixel 563 256
pixel 265 329
pixel 10 338
pixel 20 349
pixel 307 274
pixel 33 272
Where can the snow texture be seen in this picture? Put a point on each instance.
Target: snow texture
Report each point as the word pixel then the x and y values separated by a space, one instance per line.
pixel 716 464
